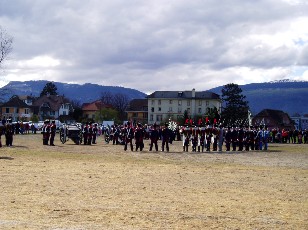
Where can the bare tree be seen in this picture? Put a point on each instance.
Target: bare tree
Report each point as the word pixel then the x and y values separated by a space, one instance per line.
pixel 120 102
pixel 5 45
pixel 107 98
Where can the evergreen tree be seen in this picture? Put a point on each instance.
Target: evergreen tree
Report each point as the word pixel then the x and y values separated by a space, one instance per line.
pixel 235 107
pixel 49 89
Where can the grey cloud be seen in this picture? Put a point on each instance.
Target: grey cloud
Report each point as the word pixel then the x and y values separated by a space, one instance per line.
pixel 129 42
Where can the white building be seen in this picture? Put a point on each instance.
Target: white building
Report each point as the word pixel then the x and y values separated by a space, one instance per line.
pixel 163 105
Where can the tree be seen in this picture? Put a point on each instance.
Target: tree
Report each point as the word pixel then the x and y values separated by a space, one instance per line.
pixel 107 114
pixel 49 89
pixel 6 42
pixel 118 101
pixel 77 110
pixel 235 107
pixel 107 98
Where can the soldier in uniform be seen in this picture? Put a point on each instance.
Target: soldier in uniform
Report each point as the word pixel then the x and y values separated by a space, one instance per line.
pixel 234 136
pixel 208 138
pixel 139 136
pixel 154 136
pixel 85 131
pixel 215 137
pixel 165 138
pixel 246 141
pixel 252 138
pixel 53 129
pixel 221 135
pixel 94 133
pixel 90 133
pixel 46 131
pixel 260 137
pixel 241 138
pixel 9 133
pixel 202 139
pixel 266 135
pixel 128 133
pixel 186 137
pixel 194 140
pixel 228 139
pixel 257 142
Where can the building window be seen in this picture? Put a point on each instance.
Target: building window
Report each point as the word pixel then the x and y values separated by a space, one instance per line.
pixel 188 110
pixel 180 102
pixel 152 109
pixel 159 102
pixel 26 111
pixel 200 102
pixel 170 109
pixel 145 115
pixel 159 117
pixel 7 110
pixel 17 110
pixel 188 103
pixel 170 102
pixel 135 114
pixel 159 108
pixel 199 110
pixel 151 117
pixel 52 113
pixel 153 102
pixel 64 113
pixel 207 103
pixel 179 110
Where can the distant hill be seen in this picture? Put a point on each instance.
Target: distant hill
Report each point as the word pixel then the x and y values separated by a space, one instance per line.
pixel 288 96
pixel 82 93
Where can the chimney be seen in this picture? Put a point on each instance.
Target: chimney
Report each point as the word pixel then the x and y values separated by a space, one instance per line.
pixel 193 93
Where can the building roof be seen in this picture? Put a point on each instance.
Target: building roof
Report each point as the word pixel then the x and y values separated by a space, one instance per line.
pixel 15 102
pixel 184 95
pixel 94 106
pixel 54 102
pixel 281 118
pixel 137 105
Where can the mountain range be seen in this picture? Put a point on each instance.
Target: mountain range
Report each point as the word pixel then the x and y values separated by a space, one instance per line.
pixel 288 96
pixel 82 93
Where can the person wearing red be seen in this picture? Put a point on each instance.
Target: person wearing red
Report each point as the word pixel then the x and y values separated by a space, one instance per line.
pixel 46 132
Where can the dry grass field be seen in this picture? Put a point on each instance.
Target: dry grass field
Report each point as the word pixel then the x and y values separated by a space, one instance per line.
pixel 103 187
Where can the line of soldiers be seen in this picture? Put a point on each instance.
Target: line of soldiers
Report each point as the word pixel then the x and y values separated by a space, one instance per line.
pixel 235 138
pixel 89 133
pixel 49 132
pixel 137 134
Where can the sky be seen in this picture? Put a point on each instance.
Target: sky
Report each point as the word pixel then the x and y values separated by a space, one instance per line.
pixel 153 45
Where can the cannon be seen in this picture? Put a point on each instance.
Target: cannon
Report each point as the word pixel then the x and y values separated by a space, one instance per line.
pixel 73 132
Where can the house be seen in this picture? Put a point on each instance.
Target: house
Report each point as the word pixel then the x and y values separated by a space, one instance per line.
pixel 301 122
pixel 163 105
pixel 273 119
pixel 89 109
pixel 16 109
pixel 27 99
pixel 52 106
pixel 137 111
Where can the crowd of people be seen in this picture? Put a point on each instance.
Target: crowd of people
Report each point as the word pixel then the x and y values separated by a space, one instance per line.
pixel 201 138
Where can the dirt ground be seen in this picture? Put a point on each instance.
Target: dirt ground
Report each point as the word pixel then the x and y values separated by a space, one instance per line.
pixel 101 186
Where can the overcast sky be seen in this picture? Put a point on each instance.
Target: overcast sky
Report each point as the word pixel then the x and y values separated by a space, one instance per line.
pixel 154 45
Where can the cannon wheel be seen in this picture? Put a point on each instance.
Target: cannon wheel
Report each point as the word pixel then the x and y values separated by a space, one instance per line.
pixel 62 136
